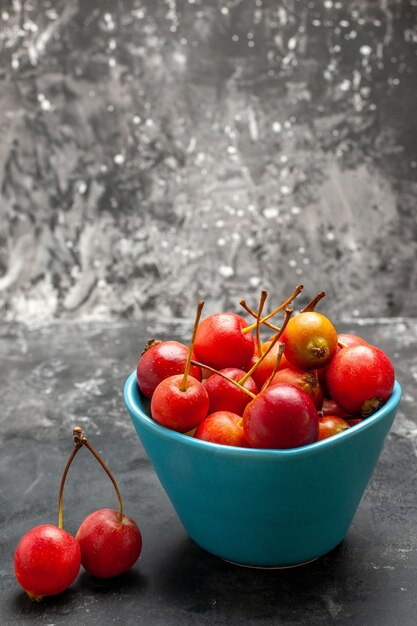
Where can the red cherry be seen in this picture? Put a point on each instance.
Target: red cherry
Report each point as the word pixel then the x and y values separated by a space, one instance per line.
pixel 177 409
pixel 222 427
pixel 224 396
pixel 46 562
pixel 181 402
pixel 331 425
pixel 161 360
pixel 329 407
pixel 110 542
pixel 306 380
pixel 351 340
pixel 282 416
pixel 355 421
pixel 266 367
pixel 348 340
pixel 109 546
pixel 360 379
pixel 220 342
pixel 310 340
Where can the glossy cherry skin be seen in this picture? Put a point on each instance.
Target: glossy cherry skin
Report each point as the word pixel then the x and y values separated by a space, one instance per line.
pixel 281 417
pixel 329 407
pixel 220 342
pixel 162 360
pixel 306 380
pixel 224 396
pixel 354 421
pixel 176 409
pixel 360 379
pixel 331 425
pixel 265 367
pixel 349 340
pixel 47 560
pixel 222 427
pixel 108 547
pixel 310 340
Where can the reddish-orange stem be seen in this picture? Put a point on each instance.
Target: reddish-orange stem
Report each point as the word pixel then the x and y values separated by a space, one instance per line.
pixel 288 313
pixel 183 385
pixel 282 306
pixel 230 380
pixel 276 366
pixel 262 299
pixel 313 303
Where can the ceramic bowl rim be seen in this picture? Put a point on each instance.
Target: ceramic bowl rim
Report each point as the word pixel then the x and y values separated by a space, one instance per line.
pixel 137 413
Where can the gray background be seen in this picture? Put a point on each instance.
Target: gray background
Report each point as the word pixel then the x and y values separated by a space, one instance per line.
pixel 155 152
pixel 152 153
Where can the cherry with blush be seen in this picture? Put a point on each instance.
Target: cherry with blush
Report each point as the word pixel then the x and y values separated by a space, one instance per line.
pixel 225 396
pixel 310 340
pixel 360 379
pixel 329 407
pixel 47 561
pixel 160 360
pixel 110 541
pixel 181 402
pixel 331 425
pixel 221 341
pixel 47 558
pixel 308 381
pixel 222 427
pixel 281 417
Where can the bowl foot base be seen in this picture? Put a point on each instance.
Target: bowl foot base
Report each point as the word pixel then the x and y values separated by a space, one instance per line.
pixel 273 566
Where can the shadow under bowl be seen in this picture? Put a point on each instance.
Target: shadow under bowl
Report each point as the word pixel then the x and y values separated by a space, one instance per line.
pixel 264 508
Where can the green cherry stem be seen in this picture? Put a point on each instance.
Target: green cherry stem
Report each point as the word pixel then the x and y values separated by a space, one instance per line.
pixel 183 385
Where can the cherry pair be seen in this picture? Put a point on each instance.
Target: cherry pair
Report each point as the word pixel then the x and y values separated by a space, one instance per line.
pixel 47 559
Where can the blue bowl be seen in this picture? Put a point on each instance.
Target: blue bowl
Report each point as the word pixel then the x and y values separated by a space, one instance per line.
pixel 264 508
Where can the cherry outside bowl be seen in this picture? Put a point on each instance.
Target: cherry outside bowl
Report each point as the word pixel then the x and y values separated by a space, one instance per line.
pixel 264 508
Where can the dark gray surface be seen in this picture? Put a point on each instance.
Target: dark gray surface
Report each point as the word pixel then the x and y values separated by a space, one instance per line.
pixel 55 376
pixel 155 151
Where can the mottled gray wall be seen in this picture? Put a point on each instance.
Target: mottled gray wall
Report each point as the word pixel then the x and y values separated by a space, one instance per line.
pixel 155 152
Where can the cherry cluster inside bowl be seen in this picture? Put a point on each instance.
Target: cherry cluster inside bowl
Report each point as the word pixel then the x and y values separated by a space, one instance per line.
pixel 233 386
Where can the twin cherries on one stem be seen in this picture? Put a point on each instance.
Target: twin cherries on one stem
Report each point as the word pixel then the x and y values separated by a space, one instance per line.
pixel 47 559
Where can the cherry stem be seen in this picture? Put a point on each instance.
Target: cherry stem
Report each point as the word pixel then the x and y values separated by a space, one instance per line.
pixel 288 313
pixel 80 438
pixel 183 384
pixel 230 380
pixel 252 312
pixel 77 446
pixel 264 295
pixel 276 366
pixel 313 303
pixel 282 306
pixel 342 344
